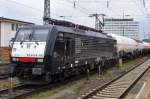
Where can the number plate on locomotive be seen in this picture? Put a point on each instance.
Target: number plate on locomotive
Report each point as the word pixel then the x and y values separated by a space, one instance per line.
pixel 36 71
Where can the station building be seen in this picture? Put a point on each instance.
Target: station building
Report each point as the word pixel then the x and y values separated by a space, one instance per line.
pixel 8 28
pixel 123 26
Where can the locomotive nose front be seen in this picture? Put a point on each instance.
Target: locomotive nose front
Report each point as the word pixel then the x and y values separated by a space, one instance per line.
pixel 29 44
pixel 29 52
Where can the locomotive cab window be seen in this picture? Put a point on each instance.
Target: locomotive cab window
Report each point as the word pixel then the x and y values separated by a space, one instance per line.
pixel 23 35
pixel 60 36
pixel 39 35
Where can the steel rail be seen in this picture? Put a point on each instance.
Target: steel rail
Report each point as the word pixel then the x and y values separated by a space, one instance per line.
pixel 116 89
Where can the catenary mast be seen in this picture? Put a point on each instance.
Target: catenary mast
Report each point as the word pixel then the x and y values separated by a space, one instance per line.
pixel 46 12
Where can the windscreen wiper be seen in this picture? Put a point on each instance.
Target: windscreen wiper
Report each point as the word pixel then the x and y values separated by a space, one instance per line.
pixel 24 39
pixel 35 40
pixel 22 42
pixel 32 37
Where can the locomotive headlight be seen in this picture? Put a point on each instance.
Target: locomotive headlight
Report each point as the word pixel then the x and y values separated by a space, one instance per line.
pixel 15 59
pixel 40 60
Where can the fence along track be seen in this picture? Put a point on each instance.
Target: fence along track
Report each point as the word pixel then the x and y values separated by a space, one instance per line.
pixel 116 89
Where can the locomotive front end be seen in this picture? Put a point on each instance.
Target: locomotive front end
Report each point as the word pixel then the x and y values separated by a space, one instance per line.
pixel 28 53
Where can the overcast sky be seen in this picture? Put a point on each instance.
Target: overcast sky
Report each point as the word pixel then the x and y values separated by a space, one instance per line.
pixel 32 10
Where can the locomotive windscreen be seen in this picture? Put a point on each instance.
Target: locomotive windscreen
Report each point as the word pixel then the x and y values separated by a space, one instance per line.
pixel 39 35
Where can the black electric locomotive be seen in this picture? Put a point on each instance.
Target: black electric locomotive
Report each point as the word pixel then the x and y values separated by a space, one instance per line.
pixel 45 53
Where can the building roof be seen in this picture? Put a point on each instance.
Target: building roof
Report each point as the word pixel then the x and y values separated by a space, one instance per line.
pixel 115 19
pixel 2 19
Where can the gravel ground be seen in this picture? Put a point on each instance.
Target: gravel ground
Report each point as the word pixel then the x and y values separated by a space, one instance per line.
pixel 74 89
pixel 137 92
pixel 6 83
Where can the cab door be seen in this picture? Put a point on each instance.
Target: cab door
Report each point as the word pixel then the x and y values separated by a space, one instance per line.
pixel 68 51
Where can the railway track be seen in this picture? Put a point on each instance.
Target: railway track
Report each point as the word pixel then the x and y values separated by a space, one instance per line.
pixel 4 73
pixel 117 88
pixel 24 90
pixel 5 70
pixel 3 64
pixel 18 91
pixel 3 77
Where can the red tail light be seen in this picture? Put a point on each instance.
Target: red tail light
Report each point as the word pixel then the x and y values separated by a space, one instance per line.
pixel 27 59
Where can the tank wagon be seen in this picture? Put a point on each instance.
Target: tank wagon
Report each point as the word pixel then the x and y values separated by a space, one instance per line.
pixel 146 47
pixel 127 47
pixel 45 53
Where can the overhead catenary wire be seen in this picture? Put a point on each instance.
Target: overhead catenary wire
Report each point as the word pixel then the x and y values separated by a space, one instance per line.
pixel 83 9
pixel 144 13
pixel 8 7
pixel 34 9
pixel 145 7
pixel 27 6
pixel 86 11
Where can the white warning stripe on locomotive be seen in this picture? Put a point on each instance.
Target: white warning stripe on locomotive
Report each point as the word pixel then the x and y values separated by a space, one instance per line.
pixel 28 49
